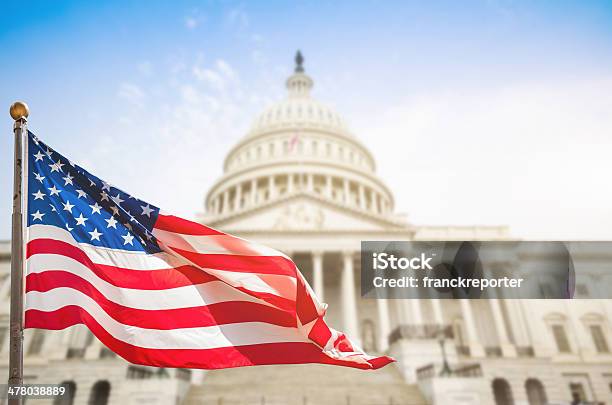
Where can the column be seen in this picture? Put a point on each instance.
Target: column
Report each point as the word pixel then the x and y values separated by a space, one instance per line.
pixel 384 329
pixel 310 182
pixel 436 305
pixel 402 318
pixel 92 351
pixel 271 188
pixel 226 201
pixel 373 201
pixel 317 274
pixel 476 349
pixel 238 198
pixel 328 186
pixel 346 191
pixel 362 202
pixel 417 315
pixel 349 303
pixel 508 349
pixel 290 183
pixel 253 192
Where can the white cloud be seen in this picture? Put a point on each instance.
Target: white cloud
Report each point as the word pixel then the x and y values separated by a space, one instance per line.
pixel 210 77
pixel 217 77
pixel 145 68
pixel 191 22
pixel 131 93
pixel 238 18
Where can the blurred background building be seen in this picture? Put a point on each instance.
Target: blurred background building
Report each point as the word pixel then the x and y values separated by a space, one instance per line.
pixel 301 181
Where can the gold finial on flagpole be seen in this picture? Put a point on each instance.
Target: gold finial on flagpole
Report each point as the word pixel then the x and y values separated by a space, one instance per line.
pixel 19 110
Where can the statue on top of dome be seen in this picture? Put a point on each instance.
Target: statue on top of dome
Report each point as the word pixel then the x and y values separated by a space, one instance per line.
pixel 299 60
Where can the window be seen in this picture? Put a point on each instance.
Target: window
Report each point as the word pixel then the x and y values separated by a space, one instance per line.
pixel 100 393
pixel 502 392
pixel 68 398
pixel 536 395
pixel 561 339
pixel 577 391
pixel 601 345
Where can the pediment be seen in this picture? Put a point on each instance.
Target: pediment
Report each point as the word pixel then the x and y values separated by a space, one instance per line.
pixel 304 213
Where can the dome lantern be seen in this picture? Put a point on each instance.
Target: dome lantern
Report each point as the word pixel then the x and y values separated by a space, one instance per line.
pixel 299 84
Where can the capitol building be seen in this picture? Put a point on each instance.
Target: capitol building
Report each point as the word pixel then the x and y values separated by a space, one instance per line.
pixel 302 182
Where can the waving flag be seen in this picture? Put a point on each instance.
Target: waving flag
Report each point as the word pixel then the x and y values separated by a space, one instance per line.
pixel 160 290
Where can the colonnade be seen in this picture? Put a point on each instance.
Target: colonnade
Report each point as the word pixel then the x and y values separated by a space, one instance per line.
pixel 259 190
pixel 408 311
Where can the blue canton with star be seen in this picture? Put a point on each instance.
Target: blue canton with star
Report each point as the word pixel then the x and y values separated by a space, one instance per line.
pixel 63 194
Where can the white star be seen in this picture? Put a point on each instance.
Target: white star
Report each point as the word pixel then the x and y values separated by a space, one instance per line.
pixel 38 195
pixel 39 156
pixel 59 166
pixel 132 219
pixel 67 179
pixel 54 190
pixel 68 227
pixel 35 139
pixel 105 186
pixel 37 215
pixel 148 235
pixel 81 220
pixel 95 209
pixel 68 207
pixel 146 210
pixel 95 235
pixel 112 222
pixel 115 210
pixel 127 239
pixel 117 199
pixel 92 183
pixel 54 167
pixel 81 193
pixel 128 226
pixel 104 196
pixel 49 152
pixel 39 177
pixel 53 208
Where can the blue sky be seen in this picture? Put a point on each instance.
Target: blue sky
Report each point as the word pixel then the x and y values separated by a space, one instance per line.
pixel 498 112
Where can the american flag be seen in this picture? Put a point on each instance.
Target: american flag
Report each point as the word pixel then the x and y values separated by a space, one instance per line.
pixel 160 290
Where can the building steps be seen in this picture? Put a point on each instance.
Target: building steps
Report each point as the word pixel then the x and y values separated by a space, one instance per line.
pixel 304 385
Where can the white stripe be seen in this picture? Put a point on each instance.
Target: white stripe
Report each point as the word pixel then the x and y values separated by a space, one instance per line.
pixel 215 244
pixel 111 257
pixel 180 297
pixel 209 337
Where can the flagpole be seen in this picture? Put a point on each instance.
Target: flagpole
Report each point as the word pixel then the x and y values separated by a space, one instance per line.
pixel 19 112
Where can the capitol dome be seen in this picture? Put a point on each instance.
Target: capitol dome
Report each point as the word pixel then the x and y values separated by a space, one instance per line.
pixel 299 109
pixel 299 146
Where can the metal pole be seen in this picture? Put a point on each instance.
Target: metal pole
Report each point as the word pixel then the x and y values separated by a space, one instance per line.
pixel 19 112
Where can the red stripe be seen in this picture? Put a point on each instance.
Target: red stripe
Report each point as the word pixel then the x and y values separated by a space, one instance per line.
pixel 306 309
pixel 208 315
pixel 320 333
pixel 237 356
pixel 171 223
pixel 240 263
pixel 126 278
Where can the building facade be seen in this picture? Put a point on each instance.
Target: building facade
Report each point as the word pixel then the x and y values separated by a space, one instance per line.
pixel 301 182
